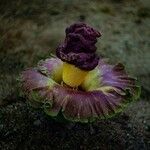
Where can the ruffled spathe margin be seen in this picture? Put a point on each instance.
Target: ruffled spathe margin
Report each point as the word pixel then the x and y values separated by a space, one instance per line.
pixel 108 89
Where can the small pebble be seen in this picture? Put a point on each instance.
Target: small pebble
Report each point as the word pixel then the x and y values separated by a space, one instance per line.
pixel 37 122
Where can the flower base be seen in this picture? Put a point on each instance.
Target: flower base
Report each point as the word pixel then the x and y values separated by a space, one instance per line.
pixel 73 76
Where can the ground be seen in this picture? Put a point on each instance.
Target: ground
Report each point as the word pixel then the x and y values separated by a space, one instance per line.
pixel 31 31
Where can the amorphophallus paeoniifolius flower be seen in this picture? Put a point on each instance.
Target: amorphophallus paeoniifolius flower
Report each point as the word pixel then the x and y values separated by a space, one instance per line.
pixel 77 83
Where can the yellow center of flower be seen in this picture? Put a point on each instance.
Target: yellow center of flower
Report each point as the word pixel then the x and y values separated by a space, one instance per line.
pixel 73 76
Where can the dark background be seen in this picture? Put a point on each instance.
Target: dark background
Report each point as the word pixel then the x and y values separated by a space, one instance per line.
pixel 32 29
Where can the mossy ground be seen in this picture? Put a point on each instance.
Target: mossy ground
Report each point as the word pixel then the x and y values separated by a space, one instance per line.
pixel 31 30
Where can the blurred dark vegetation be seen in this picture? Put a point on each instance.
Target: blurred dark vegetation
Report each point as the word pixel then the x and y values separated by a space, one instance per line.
pixel 31 30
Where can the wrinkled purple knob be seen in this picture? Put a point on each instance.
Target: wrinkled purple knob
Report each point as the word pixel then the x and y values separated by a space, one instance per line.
pixel 79 46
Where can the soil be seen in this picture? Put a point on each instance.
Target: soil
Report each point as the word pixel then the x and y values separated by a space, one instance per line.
pixel 31 31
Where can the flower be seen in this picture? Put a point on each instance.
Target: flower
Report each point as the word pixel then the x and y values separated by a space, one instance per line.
pixel 105 90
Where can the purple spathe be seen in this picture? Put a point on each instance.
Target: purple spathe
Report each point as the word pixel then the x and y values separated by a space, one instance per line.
pixel 113 90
